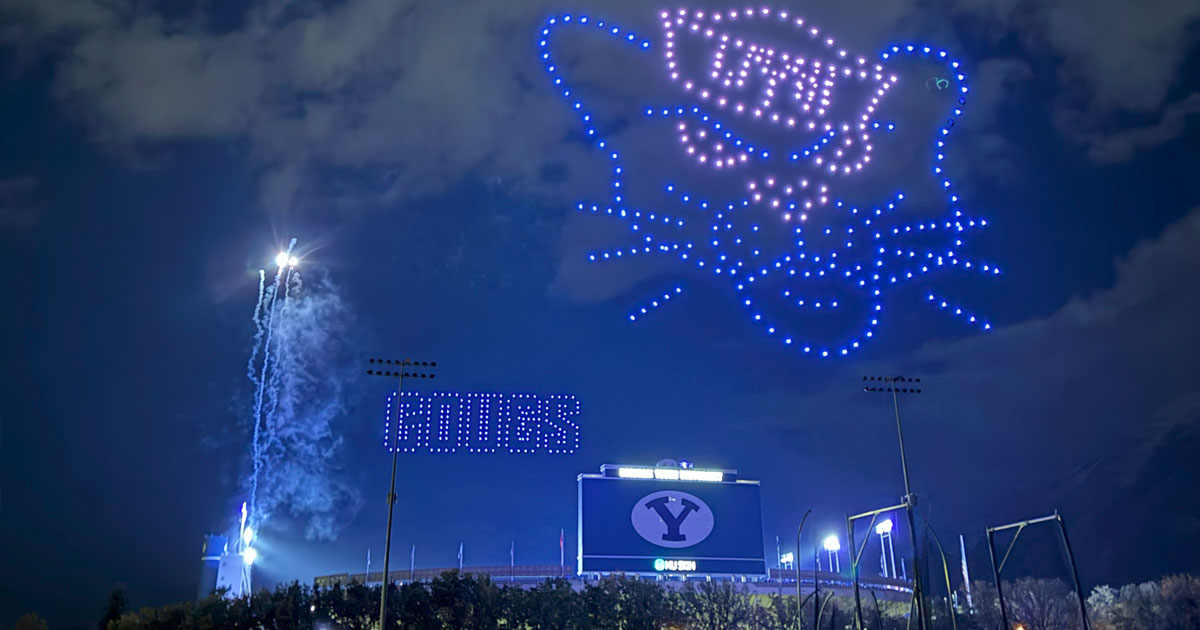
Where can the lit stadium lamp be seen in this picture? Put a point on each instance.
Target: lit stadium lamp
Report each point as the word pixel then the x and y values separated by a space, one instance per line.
pixel 635 473
pixel 398 369
pixel 832 546
pixel 250 555
pixel 884 529
pixel 701 475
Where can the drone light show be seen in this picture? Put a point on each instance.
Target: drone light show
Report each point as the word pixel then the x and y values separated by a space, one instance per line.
pixel 449 422
pixel 766 165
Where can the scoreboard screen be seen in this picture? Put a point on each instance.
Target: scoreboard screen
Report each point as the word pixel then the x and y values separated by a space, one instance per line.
pixel 652 520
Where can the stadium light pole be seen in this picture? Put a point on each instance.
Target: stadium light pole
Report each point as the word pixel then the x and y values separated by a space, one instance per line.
pixel 896 385
pixel 796 566
pixel 399 370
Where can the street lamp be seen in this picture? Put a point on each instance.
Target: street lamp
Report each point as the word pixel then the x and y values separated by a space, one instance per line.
pixel 832 547
pixel 397 369
pixel 884 529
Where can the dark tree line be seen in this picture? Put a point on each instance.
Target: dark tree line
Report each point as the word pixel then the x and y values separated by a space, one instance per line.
pixel 457 601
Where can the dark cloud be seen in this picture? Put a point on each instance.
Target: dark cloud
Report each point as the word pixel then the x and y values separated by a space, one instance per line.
pixel 19 203
pixel 1110 57
pixel 1121 145
pixel 377 84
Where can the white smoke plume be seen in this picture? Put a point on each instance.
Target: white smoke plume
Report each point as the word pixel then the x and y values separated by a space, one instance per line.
pixel 297 477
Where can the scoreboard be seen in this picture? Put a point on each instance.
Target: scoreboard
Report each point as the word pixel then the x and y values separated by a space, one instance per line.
pixel 674 520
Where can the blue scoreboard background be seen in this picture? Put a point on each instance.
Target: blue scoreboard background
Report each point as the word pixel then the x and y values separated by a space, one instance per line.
pixel 669 526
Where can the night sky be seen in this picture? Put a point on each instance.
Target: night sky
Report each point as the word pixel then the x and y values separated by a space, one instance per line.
pixel 154 156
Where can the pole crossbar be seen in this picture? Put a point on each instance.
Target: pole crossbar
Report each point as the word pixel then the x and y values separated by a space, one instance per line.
pixel 1032 521
pixel 857 551
pixel 997 568
pixel 899 506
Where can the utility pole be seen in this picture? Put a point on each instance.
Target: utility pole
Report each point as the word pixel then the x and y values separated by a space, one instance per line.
pixel 397 369
pixel 896 385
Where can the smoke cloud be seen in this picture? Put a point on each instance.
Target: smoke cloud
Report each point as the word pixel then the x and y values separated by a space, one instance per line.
pixel 300 481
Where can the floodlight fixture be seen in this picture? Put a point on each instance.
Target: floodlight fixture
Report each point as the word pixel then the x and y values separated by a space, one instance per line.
pixel 398 369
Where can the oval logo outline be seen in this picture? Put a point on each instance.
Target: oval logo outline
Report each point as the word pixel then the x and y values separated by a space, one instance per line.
pixel 672 519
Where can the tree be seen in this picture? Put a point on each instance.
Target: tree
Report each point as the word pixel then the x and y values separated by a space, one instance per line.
pixel 1040 604
pixel 986 615
pixel 602 604
pixel 113 609
pixel 1101 605
pixel 470 602
pixel 1181 601
pixel 554 605
pixel 779 614
pixel 465 602
pixel 31 621
pixel 717 606
pixel 415 611
pixel 645 605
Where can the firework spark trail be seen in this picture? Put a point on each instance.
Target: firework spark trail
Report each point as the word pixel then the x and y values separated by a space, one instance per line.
pixel 258 329
pixel 256 446
pixel 266 370
pixel 251 372
pixel 299 477
pixel 271 388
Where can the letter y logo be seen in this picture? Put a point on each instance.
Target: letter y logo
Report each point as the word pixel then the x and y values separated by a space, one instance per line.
pixel 672 519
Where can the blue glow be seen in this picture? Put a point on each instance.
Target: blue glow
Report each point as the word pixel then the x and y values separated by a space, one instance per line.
pixel 869 256
pixel 451 422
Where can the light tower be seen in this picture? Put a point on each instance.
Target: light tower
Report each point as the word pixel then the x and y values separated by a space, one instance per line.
pixel 832 547
pixel 397 369
pixel 896 385
pixel 886 550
